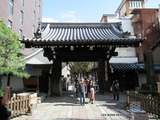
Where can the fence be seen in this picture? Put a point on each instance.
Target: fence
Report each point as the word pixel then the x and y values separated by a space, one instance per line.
pixel 19 105
pixel 148 103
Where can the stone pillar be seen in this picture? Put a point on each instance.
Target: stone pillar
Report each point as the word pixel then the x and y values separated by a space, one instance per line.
pixel 55 81
pixel 101 75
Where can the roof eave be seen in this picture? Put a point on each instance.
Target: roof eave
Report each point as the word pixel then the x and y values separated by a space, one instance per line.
pixel 118 42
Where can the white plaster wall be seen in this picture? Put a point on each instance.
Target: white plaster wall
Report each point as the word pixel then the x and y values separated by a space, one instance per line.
pixel 112 19
pixel 123 60
pixel 125 55
pixel 126 51
pixel 15 82
pixel 127 24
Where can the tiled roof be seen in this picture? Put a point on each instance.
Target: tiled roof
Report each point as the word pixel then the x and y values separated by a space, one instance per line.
pixel 86 33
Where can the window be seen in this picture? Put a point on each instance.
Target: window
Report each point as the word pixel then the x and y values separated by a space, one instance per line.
pixel 22 2
pixel 21 17
pixel 34 16
pixel 34 28
pixel 9 24
pixel 11 6
pixel 35 3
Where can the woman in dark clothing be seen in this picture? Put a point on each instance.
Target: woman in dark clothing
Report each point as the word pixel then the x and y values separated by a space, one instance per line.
pixel 88 88
pixel 115 90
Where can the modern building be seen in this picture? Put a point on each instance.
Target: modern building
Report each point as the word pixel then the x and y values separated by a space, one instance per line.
pixel 141 26
pixel 126 6
pixel 148 28
pixel 22 16
pixel 125 66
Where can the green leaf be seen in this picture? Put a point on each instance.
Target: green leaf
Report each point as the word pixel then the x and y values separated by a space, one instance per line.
pixel 11 59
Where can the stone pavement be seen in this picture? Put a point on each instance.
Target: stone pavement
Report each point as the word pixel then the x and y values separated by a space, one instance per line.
pixel 68 108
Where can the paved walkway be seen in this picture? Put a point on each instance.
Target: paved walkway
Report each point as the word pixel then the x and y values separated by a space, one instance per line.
pixel 68 108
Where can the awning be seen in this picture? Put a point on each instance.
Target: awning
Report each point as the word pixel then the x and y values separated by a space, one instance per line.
pixel 122 67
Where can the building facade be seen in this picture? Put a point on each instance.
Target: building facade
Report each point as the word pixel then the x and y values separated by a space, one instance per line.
pixel 126 6
pixel 148 28
pixel 22 16
pixel 123 66
pixel 144 27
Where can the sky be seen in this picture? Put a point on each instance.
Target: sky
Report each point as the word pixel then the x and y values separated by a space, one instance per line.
pixel 82 10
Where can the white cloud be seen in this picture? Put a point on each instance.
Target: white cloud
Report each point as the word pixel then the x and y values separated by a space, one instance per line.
pixel 48 19
pixel 70 16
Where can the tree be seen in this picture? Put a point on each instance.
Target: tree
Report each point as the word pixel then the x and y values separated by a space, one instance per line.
pixel 11 59
pixel 80 67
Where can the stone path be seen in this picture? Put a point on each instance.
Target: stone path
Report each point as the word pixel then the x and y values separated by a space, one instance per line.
pixel 68 108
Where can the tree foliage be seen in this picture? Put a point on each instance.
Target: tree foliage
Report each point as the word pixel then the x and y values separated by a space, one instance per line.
pixel 80 67
pixel 11 59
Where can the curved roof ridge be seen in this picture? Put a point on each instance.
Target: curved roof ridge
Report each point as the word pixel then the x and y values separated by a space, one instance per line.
pixel 75 25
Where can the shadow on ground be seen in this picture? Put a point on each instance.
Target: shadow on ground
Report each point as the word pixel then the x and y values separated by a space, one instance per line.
pixel 118 106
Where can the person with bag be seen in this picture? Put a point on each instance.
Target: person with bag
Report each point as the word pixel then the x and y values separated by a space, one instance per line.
pixel 115 90
pixel 92 93
pixel 82 92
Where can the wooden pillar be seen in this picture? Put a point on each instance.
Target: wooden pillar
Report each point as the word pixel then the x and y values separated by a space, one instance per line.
pixel 148 60
pixel 101 75
pixel 108 74
pixel 49 86
pixel 55 81
pixel 37 89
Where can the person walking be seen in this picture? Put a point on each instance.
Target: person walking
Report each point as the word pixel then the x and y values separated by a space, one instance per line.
pixel 88 85
pixel 115 90
pixel 92 92
pixel 76 88
pixel 82 92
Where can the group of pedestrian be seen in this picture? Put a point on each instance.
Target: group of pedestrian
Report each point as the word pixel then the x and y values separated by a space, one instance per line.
pixel 85 89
